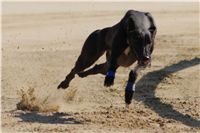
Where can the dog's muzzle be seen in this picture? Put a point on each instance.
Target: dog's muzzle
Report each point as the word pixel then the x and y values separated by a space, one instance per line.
pixel 146 61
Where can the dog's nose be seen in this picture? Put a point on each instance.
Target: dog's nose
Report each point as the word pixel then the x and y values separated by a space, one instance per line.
pixel 146 57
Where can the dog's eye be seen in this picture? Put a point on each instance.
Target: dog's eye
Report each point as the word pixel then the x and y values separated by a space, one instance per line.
pixel 152 29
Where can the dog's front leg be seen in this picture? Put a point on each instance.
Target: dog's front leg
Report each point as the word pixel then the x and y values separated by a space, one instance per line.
pixel 110 75
pixel 130 87
pixel 116 52
pixel 119 44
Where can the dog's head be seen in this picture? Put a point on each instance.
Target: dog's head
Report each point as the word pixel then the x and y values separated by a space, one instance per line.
pixel 140 38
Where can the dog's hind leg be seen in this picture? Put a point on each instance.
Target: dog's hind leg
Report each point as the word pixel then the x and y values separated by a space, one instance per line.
pixel 65 83
pixel 97 69
pixel 91 51
pixel 81 64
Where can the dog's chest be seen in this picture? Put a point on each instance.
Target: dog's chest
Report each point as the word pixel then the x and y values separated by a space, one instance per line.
pixel 127 51
pixel 127 58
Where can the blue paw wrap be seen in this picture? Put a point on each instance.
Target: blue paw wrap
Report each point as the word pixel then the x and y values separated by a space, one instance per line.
pixel 110 73
pixel 130 86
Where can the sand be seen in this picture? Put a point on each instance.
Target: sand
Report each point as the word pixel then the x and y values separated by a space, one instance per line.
pixel 41 42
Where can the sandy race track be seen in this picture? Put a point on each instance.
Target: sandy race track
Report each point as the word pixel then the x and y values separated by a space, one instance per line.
pixel 41 42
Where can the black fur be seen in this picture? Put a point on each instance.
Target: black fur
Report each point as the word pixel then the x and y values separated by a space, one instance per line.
pixel 136 31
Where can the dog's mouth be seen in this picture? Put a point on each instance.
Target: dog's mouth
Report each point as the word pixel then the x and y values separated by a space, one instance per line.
pixel 144 63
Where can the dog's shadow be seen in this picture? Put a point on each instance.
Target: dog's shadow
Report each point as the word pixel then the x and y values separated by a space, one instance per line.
pixel 55 118
pixel 163 109
pixel 150 100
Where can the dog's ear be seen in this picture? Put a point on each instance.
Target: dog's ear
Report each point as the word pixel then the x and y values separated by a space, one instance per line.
pixel 130 25
pixel 152 27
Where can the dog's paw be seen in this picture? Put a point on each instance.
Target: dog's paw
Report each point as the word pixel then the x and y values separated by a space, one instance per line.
pixel 128 97
pixel 109 80
pixel 63 85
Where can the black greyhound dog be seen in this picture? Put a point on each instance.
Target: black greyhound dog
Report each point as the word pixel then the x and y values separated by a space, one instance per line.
pixel 130 40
